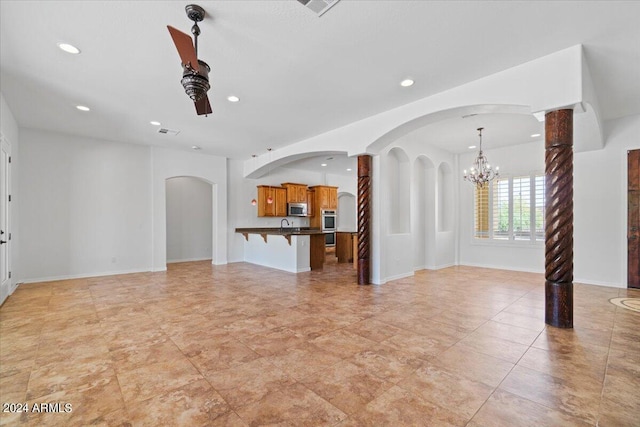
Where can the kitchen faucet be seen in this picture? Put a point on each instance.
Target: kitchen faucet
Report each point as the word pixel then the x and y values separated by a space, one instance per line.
pixel 283 220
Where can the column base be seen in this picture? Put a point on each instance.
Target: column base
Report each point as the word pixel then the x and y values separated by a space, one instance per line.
pixel 363 272
pixel 559 304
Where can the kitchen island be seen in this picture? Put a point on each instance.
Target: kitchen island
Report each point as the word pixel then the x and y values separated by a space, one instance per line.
pixel 292 249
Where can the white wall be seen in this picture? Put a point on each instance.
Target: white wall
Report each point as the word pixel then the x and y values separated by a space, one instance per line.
pixel 8 123
pixel 85 207
pixel 171 163
pixel 10 132
pixel 93 207
pixel 600 206
pixel 524 256
pixel 189 219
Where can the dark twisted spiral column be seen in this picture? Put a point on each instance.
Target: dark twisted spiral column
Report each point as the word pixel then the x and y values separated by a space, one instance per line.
pixel 364 218
pixel 558 233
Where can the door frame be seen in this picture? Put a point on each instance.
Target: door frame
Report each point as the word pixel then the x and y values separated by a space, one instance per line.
pixel 6 282
pixel 633 226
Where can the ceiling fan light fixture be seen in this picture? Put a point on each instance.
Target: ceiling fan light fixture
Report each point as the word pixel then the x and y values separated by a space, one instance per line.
pixel 69 48
pixel 196 84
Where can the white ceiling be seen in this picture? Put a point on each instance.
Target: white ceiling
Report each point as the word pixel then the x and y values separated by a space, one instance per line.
pixel 297 75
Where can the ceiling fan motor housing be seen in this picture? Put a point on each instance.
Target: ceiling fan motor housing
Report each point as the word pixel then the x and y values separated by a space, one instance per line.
pixel 196 84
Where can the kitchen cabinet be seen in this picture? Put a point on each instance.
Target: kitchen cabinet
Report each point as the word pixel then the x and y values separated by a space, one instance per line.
pixel 345 246
pixel 326 197
pixel 279 197
pixel 296 193
pixel 310 202
pixel 333 198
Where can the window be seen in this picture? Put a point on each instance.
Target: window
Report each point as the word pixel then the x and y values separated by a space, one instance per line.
pixel 510 209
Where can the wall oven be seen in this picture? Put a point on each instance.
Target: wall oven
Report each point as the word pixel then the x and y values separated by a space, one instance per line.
pixel 329 219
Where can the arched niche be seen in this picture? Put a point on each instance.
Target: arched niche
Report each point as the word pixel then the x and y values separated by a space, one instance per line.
pixel 399 185
pixel 424 212
pixel 445 197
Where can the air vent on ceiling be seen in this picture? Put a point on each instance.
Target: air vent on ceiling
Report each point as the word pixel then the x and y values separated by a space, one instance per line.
pixel 168 131
pixel 319 6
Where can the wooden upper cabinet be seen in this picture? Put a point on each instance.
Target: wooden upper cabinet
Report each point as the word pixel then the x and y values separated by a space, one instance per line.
pixel 333 198
pixel 296 193
pixel 310 202
pixel 278 207
pixel 281 201
pixel 326 197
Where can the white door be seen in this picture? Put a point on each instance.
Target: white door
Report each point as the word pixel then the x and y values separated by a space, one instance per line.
pixel 5 278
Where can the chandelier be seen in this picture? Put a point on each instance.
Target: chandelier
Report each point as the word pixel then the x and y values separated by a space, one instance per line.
pixel 481 172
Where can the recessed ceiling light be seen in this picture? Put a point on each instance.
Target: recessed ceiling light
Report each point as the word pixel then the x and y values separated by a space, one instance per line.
pixel 472 146
pixel 195 147
pixel 406 83
pixel 535 135
pixel 69 48
pixel 153 122
pixel 83 108
pixel 324 164
pixel 233 98
pixel 348 169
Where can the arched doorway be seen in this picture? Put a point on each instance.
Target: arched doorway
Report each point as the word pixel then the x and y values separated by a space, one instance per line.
pixel 189 213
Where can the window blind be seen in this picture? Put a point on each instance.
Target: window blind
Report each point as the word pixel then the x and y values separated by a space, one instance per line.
pixel 539 208
pixel 521 196
pixel 501 224
pixel 510 209
pixel 481 212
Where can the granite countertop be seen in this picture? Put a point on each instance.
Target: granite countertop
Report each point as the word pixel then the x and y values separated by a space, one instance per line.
pixel 285 231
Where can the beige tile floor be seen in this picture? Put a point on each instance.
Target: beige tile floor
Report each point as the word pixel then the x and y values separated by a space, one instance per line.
pixel 245 345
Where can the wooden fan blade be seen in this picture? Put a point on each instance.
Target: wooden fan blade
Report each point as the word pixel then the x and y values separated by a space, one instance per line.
pixel 203 106
pixel 184 44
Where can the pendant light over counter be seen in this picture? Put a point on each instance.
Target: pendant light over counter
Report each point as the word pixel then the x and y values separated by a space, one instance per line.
pixel 269 198
pixel 254 202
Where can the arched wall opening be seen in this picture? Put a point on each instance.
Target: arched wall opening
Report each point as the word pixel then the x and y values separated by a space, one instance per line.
pixel 347 212
pixel 189 219
pixel 424 213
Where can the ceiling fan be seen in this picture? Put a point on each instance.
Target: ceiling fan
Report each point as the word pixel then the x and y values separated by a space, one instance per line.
pixel 195 73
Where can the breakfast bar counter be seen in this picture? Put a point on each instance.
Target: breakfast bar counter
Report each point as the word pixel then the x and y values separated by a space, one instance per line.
pixel 299 249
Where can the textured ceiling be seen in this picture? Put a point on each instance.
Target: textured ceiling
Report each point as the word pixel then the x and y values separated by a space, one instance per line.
pixel 297 75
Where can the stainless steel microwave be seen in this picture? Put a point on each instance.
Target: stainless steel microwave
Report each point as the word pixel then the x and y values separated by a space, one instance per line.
pixel 296 209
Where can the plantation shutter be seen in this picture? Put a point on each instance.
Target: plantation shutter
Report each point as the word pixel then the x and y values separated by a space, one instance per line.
pixel 481 212
pixel 539 208
pixel 522 208
pixel 501 209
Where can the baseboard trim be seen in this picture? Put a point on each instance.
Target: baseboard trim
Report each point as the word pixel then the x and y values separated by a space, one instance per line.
pixel 501 267
pixel 174 261
pixel 600 283
pixel 85 276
